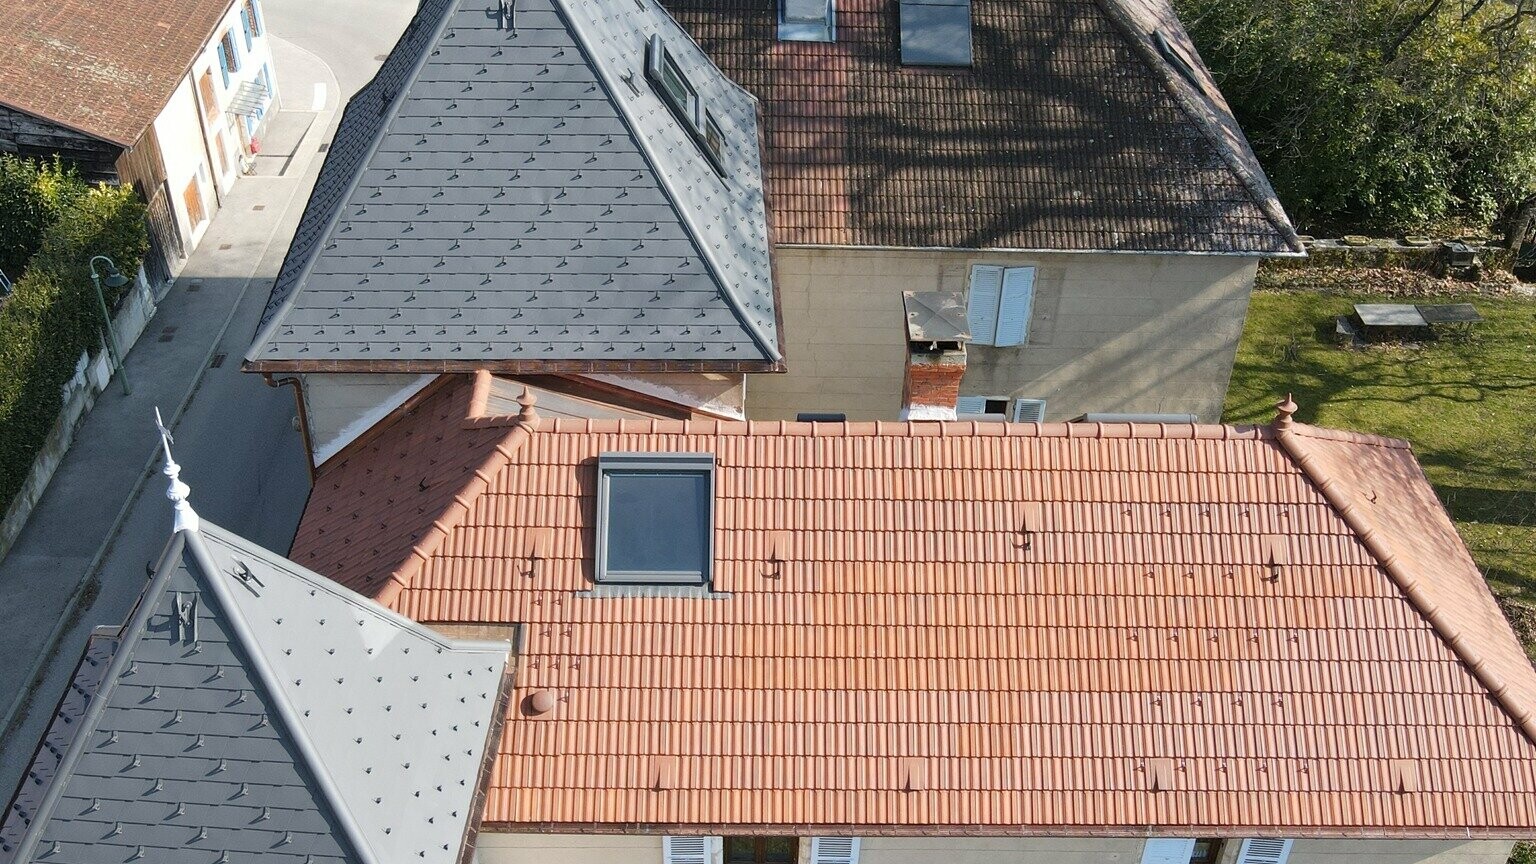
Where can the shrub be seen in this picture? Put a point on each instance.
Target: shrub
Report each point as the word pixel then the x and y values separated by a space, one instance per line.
pixel 52 316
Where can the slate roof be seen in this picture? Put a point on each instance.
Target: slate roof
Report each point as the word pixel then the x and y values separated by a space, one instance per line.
pixel 1070 132
pixel 501 195
pixel 105 69
pixel 955 627
pixel 251 709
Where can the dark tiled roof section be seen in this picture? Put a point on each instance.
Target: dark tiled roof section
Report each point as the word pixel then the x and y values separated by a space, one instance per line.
pixel 1031 613
pixel 105 69
pixel 361 123
pixel 254 709
pixel 523 203
pixel 1068 134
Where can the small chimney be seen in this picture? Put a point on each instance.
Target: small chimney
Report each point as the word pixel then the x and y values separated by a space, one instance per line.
pixel 936 335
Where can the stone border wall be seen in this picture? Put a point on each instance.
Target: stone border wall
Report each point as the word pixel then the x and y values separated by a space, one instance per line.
pixel 1421 254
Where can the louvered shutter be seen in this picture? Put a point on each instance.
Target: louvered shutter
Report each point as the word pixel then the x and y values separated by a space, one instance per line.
pixel 690 850
pixel 1264 851
pixel 971 405
pixel 1029 411
pixel 834 850
pixel 1167 850
pixel 245 24
pixel 223 64
pixel 981 304
pixel 1014 307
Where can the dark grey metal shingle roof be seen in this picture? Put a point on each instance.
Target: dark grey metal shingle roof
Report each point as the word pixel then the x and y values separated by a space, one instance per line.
pixel 255 709
pixel 523 203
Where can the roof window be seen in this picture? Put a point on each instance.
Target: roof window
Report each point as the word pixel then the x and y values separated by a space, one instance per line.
pixel 682 97
pixel 808 20
pixel 936 32
pixel 1176 58
pixel 655 517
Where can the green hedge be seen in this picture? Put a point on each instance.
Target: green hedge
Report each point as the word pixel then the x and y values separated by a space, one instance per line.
pixel 52 316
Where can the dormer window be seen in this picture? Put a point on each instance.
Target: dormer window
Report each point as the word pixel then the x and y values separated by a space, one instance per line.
pixel 655 517
pixel 682 97
pixel 807 20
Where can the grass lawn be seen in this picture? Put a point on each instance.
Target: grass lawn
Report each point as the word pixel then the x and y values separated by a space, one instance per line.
pixel 1468 404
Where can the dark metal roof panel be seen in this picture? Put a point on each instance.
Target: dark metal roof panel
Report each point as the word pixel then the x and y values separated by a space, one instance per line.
pixel 523 201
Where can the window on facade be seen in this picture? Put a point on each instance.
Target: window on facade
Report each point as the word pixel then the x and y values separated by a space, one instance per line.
pixel 229 55
pixel 714 139
pixel 655 517
pixel 761 850
pixel 253 14
pixel 1181 850
pixel 205 93
pixel 998 304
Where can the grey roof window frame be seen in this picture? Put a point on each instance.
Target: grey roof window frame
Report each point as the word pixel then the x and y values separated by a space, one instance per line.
pixel 615 466
pixel 795 26
pixel 682 98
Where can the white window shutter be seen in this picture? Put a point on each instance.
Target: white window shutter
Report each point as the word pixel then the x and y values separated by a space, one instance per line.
pixel 1264 851
pixel 981 305
pixel 690 850
pixel 1029 411
pixel 971 405
pixel 1014 307
pixel 1167 850
pixel 834 850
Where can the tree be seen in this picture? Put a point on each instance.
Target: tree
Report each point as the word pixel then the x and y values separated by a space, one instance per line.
pixel 1391 115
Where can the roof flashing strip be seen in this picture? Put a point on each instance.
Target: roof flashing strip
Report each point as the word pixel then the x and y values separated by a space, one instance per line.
pixel 707 251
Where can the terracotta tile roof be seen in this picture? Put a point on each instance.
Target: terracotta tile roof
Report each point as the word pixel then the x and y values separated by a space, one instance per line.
pixel 105 69
pixel 1277 627
pixel 1070 132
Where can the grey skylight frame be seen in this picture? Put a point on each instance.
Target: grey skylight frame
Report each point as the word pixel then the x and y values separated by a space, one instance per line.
pixel 931 33
pixel 661 68
pixel 799 29
pixel 618 463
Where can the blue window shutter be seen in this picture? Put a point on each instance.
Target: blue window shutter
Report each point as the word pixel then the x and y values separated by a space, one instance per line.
pixel 1013 310
pixel 255 7
pixel 981 309
pixel 224 65
pixel 971 405
pixel 245 24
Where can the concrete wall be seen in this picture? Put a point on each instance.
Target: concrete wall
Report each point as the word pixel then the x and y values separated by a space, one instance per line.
pixel 340 407
pixel 1116 333
pixel 633 849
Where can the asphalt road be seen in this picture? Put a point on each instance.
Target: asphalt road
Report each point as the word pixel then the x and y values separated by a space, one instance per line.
pixel 236 437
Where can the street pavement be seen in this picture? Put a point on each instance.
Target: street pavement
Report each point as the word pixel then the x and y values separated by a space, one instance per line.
pixel 104 514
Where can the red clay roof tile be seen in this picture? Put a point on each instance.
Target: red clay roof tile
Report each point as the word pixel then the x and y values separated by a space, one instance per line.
pixel 908 630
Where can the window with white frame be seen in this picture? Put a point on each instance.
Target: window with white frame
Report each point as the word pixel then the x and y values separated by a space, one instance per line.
pixel 998 304
pixel 672 83
pixel 655 517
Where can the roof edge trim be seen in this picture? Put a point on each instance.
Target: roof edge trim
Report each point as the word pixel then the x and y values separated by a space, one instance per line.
pixel 295 728
pixel 769 348
pixel 1292 441
pixel 133 630
pixel 281 312
pixel 1041 251
pixel 490 752
pixel 480 479
pixel 515 367
pixel 1259 188
pixel 1042 830
pixel 73 128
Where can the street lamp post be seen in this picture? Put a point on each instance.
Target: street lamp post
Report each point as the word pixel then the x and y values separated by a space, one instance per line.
pixel 115 279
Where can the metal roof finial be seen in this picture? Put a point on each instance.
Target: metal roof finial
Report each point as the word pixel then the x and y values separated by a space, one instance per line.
pixel 529 398
pixel 186 518
pixel 1283 412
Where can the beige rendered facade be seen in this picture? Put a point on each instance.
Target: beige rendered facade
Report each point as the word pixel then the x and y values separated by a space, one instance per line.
pixel 495 848
pixel 1108 332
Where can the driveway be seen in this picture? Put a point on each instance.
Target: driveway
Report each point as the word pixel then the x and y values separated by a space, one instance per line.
pixel 81 560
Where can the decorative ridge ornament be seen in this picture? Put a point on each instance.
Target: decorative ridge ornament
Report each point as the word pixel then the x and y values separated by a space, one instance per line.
pixel 177 491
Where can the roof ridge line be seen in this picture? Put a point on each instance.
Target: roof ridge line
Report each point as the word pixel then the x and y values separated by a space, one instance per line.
pixel 1346 436
pixel 286 714
pixel 132 631
pixel 892 428
pixel 1269 204
pixel 1293 443
pixel 480 479
pixel 278 314
pixel 769 347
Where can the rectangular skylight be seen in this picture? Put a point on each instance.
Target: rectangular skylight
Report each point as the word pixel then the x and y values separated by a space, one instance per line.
pixel 655 517
pixel 808 20
pixel 667 75
pixel 936 32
